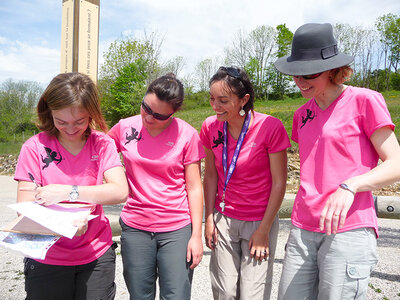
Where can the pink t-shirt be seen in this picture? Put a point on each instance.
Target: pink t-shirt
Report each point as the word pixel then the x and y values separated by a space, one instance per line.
pixel 48 161
pixel 334 145
pixel 248 190
pixel 155 168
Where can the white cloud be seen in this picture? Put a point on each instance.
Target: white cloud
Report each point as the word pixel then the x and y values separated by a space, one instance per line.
pixel 194 29
pixel 22 61
pixel 3 40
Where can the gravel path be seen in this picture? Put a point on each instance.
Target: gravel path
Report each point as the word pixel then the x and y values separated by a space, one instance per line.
pixel 384 283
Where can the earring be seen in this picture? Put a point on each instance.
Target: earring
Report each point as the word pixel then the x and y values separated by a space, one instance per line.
pixel 242 112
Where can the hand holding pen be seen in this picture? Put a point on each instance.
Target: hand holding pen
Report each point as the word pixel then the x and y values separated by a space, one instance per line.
pixel 33 179
pixel 49 194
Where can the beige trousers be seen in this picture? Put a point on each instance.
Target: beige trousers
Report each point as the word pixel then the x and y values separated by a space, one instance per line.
pixel 234 274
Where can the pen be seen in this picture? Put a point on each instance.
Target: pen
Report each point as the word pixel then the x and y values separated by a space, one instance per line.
pixel 33 179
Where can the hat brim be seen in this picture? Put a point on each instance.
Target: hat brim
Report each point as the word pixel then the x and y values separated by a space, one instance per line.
pixel 308 67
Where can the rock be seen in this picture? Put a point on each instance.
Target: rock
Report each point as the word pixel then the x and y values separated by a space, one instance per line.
pixel 7 164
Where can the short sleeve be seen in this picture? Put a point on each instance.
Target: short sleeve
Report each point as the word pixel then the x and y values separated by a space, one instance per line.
pixel 295 134
pixel 205 134
pixel 108 153
pixel 375 113
pixel 114 133
pixel 28 162
pixel 279 139
pixel 194 149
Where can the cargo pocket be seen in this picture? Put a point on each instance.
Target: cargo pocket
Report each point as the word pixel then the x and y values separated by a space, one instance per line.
pixel 356 283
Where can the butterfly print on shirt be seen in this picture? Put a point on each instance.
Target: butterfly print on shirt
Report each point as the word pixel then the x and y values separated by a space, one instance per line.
pixel 134 136
pixel 218 141
pixel 51 157
pixel 309 117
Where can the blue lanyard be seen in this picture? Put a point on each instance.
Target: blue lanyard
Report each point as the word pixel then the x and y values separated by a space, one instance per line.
pixel 232 166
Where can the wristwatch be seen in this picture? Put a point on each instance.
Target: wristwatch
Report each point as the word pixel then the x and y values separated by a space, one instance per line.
pixel 73 195
pixel 347 188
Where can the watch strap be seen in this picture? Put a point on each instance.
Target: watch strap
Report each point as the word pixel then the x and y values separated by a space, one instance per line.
pixel 347 188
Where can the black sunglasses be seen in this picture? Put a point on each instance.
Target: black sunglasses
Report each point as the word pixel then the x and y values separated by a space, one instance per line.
pixel 309 77
pixel 156 116
pixel 234 72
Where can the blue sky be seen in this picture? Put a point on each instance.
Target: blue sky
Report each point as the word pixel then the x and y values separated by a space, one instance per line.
pixel 195 29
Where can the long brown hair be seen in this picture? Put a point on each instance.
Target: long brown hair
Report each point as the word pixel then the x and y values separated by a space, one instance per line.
pixel 70 89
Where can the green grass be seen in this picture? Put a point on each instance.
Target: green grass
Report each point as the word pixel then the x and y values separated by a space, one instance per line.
pixel 282 109
pixel 10 148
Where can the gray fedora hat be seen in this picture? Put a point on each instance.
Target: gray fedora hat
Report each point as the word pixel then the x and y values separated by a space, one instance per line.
pixel 314 50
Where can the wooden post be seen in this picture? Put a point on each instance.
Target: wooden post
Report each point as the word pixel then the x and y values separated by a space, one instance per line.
pixel 80 36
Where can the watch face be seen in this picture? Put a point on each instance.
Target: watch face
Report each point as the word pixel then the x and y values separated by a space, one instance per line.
pixel 74 195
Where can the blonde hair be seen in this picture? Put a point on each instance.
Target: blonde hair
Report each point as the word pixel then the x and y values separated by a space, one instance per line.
pixel 341 75
pixel 70 89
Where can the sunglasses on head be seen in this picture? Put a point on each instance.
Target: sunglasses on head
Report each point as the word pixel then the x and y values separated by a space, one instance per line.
pixel 233 72
pixel 309 77
pixel 156 116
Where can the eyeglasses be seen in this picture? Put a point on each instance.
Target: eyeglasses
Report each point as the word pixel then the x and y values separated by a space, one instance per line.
pixel 309 77
pixel 234 72
pixel 156 116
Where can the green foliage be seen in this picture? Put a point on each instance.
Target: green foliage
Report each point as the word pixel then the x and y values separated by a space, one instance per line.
pixel 126 92
pixel 283 40
pixel 378 80
pixel 389 28
pixel 196 100
pixel 281 83
pixel 126 51
pixel 17 108
pixel 395 81
pixel 129 65
pixel 196 109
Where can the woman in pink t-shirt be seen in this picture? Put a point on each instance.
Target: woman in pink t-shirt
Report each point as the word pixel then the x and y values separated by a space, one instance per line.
pixel 68 161
pixel 161 220
pixel 342 132
pixel 244 184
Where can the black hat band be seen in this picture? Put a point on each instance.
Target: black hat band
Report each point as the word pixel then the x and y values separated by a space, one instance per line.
pixel 314 54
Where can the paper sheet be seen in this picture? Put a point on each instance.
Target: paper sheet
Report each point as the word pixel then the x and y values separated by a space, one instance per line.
pixel 30 245
pixel 55 217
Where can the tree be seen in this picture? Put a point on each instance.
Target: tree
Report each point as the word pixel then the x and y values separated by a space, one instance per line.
pixel 127 92
pixel 174 65
pixel 284 43
pixel 237 55
pixel 262 44
pixel 17 107
pixel 204 71
pixel 360 43
pixel 388 27
pixel 129 64
pixel 254 53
